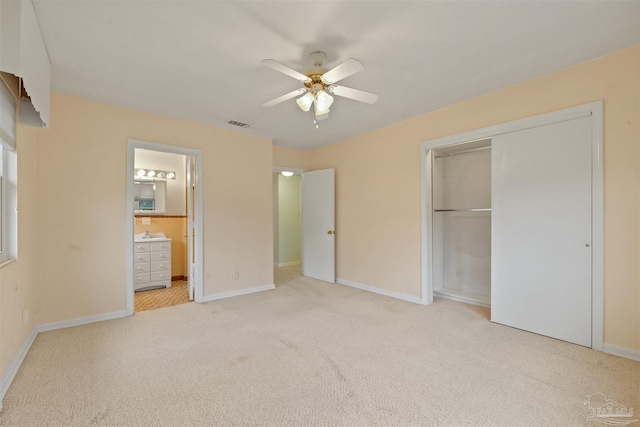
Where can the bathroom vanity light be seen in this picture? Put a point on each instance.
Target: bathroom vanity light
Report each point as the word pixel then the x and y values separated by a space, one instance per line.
pixel 154 174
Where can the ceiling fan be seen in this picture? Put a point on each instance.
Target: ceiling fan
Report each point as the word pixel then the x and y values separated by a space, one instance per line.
pixel 319 84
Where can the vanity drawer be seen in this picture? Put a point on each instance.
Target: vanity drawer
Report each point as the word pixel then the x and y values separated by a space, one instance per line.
pixel 161 266
pixel 160 246
pixel 141 257
pixel 141 268
pixel 160 275
pixel 161 256
pixel 141 247
pixel 141 278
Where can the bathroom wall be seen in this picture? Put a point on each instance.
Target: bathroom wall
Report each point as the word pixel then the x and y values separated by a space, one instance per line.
pixel 175 228
pixel 176 196
pixel 173 221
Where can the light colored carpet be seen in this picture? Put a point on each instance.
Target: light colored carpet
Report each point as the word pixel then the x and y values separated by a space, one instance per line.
pixel 178 293
pixel 311 353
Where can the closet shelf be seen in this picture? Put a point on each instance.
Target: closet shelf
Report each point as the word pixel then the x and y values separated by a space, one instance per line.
pixel 464 210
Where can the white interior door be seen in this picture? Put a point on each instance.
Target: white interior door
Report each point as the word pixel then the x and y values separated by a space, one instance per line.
pixel 318 225
pixel 541 258
pixel 191 221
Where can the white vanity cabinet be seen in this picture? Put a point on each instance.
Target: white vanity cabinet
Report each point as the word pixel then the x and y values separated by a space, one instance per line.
pixel 151 264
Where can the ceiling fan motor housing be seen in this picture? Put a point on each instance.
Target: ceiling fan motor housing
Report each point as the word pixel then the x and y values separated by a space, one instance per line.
pixel 315 74
pixel 317 58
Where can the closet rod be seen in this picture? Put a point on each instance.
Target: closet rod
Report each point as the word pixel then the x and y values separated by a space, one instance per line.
pixel 463 210
pixel 455 153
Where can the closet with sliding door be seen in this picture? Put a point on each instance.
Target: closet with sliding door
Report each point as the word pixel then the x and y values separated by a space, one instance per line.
pixel 513 221
pixel 462 222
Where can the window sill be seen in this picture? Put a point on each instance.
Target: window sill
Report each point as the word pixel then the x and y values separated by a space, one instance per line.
pixel 5 262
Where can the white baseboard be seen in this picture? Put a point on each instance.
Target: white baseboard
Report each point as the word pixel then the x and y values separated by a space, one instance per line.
pixel 12 370
pixel 627 353
pixel 286 264
pixel 384 292
pixel 81 321
pixel 231 294
pixel 462 298
pixel 7 377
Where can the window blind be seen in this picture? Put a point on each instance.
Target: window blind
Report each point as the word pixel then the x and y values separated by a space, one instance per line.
pixel 7 117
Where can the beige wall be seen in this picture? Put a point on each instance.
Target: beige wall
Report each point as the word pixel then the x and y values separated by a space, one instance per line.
pixel 291 157
pixel 378 182
pixel 82 232
pixel 17 279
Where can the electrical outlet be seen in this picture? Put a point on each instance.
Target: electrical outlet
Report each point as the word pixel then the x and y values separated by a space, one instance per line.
pixel 236 274
pixel 25 316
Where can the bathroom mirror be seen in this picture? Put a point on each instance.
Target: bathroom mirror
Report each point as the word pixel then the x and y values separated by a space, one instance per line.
pixel 150 196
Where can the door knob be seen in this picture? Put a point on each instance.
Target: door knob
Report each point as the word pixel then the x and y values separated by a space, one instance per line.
pixel 331 232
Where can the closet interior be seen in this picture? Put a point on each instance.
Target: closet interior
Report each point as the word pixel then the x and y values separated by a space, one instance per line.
pixel 461 192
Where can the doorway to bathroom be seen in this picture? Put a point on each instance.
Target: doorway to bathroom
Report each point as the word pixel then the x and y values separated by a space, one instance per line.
pixel 165 211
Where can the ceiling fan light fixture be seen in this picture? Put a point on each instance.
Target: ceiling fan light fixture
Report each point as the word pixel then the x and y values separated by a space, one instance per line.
pixel 324 102
pixel 305 101
pixel 320 85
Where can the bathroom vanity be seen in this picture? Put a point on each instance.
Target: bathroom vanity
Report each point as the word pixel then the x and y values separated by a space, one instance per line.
pixel 151 261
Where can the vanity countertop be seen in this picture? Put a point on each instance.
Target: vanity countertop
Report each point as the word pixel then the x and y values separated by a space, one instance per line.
pixel 150 237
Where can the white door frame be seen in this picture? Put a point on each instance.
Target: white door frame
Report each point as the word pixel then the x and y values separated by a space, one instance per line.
pixel 190 165
pixel 132 144
pixel 597 211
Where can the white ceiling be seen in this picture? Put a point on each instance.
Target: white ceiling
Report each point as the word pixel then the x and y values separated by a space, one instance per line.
pixel 200 60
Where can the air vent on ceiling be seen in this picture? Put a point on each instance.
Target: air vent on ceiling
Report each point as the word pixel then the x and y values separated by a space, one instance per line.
pixel 239 124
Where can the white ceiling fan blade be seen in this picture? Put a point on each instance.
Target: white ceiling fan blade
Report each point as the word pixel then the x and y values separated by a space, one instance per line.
pixel 284 97
pixel 358 95
pixel 284 69
pixel 347 68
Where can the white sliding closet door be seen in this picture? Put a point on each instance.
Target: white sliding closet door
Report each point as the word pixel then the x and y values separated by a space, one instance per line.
pixel 541 275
